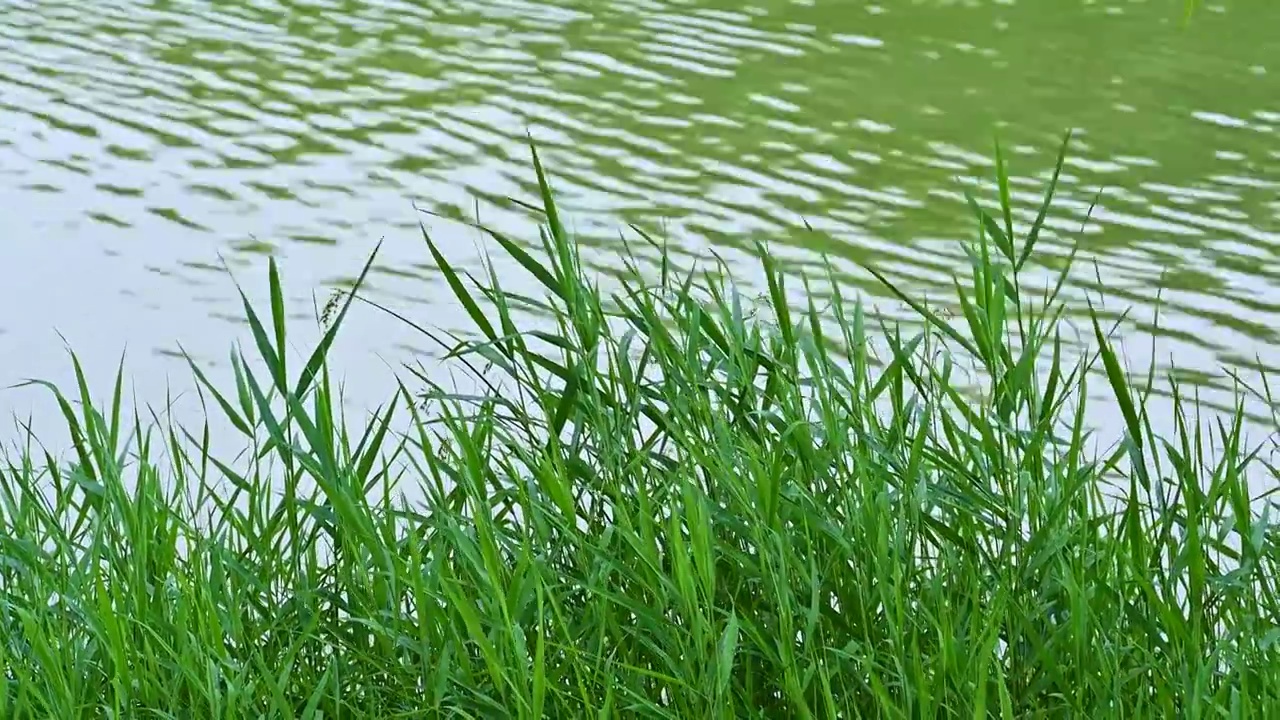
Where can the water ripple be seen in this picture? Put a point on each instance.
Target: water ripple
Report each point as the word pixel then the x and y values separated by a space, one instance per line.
pixel 150 137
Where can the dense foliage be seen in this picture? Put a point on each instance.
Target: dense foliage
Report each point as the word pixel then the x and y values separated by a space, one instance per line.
pixel 666 503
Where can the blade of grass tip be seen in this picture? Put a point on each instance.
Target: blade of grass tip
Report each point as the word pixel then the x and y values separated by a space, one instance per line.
pixel 1149 387
pixel 1055 375
pixel 777 295
pixel 925 312
pixel 277 313
pixel 989 223
pixel 815 325
pixel 1119 384
pixel 73 424
pixel 544 187
pixel 558 234
pixel 549 250
pixel 459 290
pixel 1006 207
pixel 242 390
pixel 1036 226
pixel 263 343
pixel 978 328
pixel 518 253
pixel 365 463
pixel 526 260
pixel 525 205
pixel 451 350
pixel 218 397
pixel 92 430
pixel 114 429
pixel 312 368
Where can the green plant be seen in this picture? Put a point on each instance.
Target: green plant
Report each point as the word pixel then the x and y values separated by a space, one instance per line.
pixel 653 507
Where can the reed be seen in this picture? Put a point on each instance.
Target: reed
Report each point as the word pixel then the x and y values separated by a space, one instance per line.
pixel 661 503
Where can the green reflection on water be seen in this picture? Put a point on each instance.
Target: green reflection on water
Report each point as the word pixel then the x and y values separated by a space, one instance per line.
pixel 301 121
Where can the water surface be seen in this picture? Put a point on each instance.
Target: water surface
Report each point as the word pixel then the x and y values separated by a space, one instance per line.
pixel 148 145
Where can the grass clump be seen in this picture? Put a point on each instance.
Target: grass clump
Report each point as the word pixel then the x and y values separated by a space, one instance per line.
pixel 659 506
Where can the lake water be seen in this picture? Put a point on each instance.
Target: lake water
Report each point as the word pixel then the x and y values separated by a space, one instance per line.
pixel 145 146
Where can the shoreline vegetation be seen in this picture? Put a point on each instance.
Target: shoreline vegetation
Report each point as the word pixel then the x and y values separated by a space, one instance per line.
pixel 660 507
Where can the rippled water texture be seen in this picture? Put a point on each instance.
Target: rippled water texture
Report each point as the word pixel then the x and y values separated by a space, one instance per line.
pixel 142 144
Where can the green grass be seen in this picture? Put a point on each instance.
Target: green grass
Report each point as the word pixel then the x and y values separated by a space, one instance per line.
pixel 667 503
